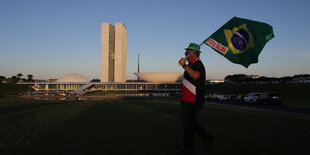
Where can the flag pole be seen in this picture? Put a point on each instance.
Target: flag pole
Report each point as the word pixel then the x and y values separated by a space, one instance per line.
pixel 194 50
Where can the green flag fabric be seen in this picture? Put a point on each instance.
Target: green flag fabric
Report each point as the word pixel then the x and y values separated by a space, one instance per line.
pixel 241 40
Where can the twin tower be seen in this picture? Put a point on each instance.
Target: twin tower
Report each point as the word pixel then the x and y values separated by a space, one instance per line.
pixel 113 53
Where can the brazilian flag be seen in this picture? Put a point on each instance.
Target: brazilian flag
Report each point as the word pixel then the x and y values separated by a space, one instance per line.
pixel 241 40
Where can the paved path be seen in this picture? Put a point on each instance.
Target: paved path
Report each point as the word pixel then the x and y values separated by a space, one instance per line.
pixel 293 110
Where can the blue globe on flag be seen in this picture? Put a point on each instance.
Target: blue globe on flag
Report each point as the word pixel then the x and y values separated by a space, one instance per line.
pixel 240 39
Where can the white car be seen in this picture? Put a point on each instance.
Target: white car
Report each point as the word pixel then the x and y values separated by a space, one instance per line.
pixel 252 97
pixel 222 97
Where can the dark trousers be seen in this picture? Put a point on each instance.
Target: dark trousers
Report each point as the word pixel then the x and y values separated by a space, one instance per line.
pixel 189 113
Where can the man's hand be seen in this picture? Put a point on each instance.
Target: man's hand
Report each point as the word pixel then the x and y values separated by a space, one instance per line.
pixel 182 61
pixel 192 73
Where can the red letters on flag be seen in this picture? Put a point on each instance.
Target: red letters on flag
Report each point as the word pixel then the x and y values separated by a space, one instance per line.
pixel 217 46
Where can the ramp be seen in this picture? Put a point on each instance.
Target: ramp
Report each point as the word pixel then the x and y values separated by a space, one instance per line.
pixel 81 90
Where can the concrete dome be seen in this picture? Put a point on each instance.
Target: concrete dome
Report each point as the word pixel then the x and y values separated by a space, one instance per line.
pixel 73 77
pixel 160 77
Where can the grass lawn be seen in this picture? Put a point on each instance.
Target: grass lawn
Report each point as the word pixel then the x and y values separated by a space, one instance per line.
pixel 13 89
pixel 142 127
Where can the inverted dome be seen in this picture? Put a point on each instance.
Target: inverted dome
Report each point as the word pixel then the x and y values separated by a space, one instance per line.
pixel 73 77
pixel 160 77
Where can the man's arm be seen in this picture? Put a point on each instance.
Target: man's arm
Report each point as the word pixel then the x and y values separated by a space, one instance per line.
pixel 192 73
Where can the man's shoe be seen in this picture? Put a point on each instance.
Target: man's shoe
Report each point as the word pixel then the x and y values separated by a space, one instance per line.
pixel 184 151
pixel 207 142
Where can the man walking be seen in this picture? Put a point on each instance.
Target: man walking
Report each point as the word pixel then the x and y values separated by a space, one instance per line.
pixel 192 99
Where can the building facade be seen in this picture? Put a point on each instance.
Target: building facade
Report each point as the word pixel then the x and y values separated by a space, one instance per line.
pixel 106 86
pixel 113 53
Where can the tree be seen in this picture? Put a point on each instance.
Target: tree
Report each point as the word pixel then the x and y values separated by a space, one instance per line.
pixel 23 80
pixel 2 78
pixel 95 80
pixel 29 78
pixel 14 79
pixel 237 78
pixel 19 75
pixel 301 76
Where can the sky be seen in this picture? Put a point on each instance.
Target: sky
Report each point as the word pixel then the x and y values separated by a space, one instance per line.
pixel 51 38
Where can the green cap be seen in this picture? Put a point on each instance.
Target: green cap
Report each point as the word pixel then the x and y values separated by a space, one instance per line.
pixel 192 46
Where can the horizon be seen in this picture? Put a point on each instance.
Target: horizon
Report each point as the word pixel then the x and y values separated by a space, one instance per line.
pixel 52 39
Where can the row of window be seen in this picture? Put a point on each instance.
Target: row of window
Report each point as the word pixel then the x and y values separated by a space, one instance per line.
pixel 169 86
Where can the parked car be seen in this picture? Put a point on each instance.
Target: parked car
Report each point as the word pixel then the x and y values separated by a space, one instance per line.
pixel 231 98
pixel 240 98
pixel 214 97
pixel 253 98
pixel 222 98
pixel 271 98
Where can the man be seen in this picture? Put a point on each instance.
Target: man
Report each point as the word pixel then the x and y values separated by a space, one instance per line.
pixel 192 99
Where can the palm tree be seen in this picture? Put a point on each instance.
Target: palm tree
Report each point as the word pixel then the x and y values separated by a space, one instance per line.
pixel 19 75
pixel 29 79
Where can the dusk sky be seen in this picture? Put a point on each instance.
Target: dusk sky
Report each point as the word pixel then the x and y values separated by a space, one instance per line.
pixel 51 38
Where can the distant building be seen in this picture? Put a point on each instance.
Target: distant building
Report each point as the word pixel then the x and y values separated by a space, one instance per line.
pixel 160 77
pixel 254 76
pixel 216 80
pixel 113 73
pixel 113 53
pixel 72 77
pixel 51 80
pixel 105 86
pixel 42 80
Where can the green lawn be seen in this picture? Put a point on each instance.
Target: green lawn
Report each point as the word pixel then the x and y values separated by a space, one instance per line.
pixel 142 127
pixel 13 89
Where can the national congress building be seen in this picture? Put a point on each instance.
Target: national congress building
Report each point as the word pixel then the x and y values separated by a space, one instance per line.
pixel 113 52
pixel 113 71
